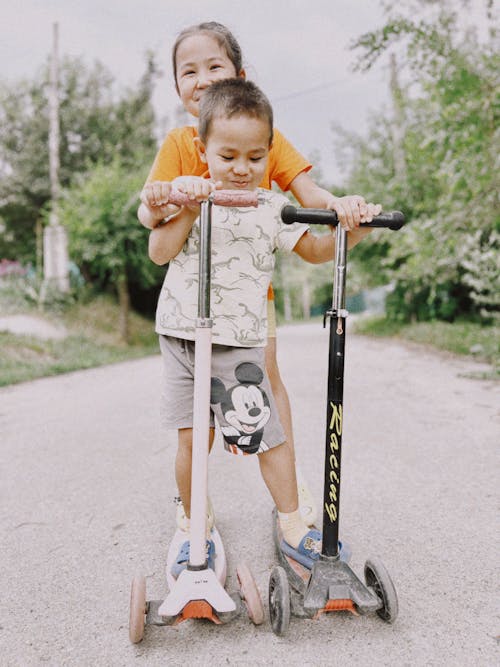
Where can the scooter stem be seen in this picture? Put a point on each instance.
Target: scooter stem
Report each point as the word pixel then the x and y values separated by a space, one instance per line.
pixel 338 301
pixel 201 398
pixel 333 445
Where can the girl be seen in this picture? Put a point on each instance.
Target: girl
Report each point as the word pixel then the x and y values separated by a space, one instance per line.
pixel 201 55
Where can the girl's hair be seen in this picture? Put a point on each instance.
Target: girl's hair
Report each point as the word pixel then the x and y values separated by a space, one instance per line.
pixel 220 33
pixel 233 97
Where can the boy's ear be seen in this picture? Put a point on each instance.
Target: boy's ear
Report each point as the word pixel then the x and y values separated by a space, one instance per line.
pixel 200 147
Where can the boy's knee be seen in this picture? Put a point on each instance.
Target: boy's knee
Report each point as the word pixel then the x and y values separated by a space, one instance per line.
pixel 277 453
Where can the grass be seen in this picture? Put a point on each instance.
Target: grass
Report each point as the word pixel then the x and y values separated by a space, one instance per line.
pixel 92 340
pixel 464 338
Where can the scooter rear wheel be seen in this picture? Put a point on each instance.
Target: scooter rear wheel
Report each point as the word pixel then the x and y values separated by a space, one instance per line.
pixel 137 609
pixel 279 601
pixel 250 594
pixel 378 579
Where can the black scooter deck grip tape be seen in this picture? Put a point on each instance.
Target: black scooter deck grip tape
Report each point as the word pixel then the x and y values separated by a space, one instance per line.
pixel 320 216
pixel 219 197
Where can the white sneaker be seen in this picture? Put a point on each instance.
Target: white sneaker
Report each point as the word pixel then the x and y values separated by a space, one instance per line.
pixel 182 520
pixel 307 505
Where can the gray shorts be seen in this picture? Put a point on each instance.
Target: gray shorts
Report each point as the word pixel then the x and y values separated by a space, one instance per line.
pixel 241 396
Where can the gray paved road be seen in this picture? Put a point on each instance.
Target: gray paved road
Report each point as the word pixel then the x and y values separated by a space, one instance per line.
pixel 86 488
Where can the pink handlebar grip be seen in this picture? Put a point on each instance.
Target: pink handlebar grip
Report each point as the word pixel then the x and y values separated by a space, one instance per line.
pixel 235 198
pixel 219 197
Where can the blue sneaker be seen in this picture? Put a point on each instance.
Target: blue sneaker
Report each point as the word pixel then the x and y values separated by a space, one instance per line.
pixel 309 549
pixel 183 558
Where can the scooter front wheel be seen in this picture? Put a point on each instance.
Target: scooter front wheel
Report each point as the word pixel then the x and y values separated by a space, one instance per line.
pixel 250 594
pixel 279 601
pixel 377 578
pixel 137 609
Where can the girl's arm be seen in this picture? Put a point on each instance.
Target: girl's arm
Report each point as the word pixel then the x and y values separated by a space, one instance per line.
pixel 318 249
pixel 352 210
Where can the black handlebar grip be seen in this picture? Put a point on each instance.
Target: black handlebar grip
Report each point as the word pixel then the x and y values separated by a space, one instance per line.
pixel 312 216
pixel 393 220
pixel 321 216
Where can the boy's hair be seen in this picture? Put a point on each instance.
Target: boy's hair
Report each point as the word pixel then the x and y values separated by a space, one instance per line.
pixel 220 33
pixel 233 97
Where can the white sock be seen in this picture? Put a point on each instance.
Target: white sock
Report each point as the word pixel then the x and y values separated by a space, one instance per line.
pixel 293 527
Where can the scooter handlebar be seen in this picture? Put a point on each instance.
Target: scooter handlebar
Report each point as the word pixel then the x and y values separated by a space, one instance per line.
pixel 320 216
pixel 218 197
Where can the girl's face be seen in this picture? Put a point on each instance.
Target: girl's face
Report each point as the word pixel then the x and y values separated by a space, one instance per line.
pixel 200 60
pixel 236 151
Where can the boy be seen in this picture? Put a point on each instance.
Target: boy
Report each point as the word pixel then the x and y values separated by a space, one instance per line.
pixel 235 134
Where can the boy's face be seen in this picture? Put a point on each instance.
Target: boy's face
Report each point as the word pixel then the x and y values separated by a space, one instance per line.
pixel 236 151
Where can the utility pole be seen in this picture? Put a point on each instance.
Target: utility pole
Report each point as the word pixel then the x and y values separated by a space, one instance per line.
pixel 55 243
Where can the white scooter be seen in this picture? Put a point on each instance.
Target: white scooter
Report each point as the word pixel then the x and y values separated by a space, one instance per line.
pixel 199 591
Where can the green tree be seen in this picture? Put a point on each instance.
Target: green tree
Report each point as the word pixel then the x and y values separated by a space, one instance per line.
pixel 451 144
pixel 97 124
pixel 105 238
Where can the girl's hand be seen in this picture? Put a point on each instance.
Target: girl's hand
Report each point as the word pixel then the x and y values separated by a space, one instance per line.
pixel 353 210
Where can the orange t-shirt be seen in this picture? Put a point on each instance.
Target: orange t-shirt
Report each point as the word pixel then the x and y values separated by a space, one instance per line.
pixel 178 157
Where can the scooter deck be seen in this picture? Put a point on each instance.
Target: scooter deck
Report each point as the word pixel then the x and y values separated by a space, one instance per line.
pixel 178 540
pixel 329 586
pixel 197 593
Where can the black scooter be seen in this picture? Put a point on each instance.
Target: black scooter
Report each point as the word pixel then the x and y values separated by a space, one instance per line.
pixel 331 585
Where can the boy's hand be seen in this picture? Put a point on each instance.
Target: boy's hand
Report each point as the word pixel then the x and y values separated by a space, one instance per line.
pixel 196 188
pixel 353 210
pixel 156 193
pixel 155 196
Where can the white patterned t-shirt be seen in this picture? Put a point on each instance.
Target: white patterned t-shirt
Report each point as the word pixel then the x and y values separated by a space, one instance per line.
pixel 244 241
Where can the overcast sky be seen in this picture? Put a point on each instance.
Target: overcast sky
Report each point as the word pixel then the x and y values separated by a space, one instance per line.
pixel 295 50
